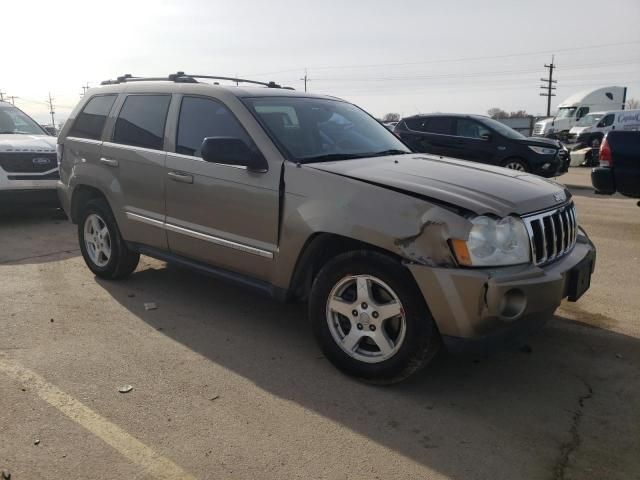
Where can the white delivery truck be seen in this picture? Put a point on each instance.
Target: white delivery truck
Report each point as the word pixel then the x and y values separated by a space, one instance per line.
pixel 577 106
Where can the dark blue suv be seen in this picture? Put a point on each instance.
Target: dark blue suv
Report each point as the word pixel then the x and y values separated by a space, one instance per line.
pixel 482 139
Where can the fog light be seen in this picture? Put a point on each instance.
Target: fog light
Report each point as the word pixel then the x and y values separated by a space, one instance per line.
pixel 546 165
pixel 512 304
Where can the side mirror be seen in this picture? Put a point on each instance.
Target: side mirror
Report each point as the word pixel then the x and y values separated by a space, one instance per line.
pixel 613 127
pixel 233 151
pixel 486 136
pixel 600 125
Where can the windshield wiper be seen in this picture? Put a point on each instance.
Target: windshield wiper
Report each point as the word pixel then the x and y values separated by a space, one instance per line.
pixel 330 157
pixel 389 152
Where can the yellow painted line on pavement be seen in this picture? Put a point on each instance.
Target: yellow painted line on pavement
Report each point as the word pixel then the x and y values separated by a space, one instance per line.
pixel 155 464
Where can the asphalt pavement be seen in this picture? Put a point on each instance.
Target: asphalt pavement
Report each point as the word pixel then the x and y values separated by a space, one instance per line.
pixel 230 385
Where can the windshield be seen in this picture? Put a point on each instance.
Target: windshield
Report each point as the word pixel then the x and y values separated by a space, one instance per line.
pixel 501 128
pixel 566 112
pixel 590 119
pixel 12 120
pixel 314 130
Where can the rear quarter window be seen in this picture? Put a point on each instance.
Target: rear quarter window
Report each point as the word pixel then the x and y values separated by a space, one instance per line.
pixel 91 120
pixel 141 121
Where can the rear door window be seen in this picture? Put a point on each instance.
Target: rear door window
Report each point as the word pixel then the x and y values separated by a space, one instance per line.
pixel 440 125
pixel 204 117
pixel 91 120
pixel 415 124
pixel 141 121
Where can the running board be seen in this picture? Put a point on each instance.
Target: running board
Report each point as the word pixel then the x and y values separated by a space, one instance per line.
pixel 258 285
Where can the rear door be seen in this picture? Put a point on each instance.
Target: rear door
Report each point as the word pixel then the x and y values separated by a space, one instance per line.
pixel 433 135
pixel 224 215
pixel 472 141
pixel 136 157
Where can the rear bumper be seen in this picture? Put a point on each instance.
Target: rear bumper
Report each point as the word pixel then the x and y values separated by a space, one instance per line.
pixel 483 309
pixel 603 181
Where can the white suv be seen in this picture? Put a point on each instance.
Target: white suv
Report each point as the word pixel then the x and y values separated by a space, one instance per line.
pixel 28 164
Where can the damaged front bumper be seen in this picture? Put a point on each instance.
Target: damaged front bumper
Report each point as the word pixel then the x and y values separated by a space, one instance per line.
pixel 485 309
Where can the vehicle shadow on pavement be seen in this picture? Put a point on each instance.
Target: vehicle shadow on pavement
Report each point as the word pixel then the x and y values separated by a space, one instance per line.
pixel 36 235
pixel 512 415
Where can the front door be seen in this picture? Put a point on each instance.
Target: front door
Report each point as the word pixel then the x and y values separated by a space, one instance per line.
pixel 224 215
pixel 472 141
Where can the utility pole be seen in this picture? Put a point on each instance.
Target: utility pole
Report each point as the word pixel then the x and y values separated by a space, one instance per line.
pixel 84 89
pixel 306 79
pixel 549 85
pixel 2 96
pixel 52 112
pixel 13 99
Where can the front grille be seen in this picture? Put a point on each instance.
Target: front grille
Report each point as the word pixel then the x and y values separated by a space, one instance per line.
pixel 552 233
pixel 537 129
pixel 27 162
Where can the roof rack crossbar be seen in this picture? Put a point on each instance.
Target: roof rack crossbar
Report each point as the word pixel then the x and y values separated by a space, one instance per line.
pixel 187 78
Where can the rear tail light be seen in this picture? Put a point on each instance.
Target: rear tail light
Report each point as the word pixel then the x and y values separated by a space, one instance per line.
pixel 606 160
pixel 59 151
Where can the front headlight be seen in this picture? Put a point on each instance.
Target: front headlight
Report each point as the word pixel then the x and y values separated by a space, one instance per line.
pixel 543 150
pixel 494 242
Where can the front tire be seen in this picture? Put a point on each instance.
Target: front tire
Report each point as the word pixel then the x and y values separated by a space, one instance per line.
pixel 516 164
pixel 103 249
pixel 370 318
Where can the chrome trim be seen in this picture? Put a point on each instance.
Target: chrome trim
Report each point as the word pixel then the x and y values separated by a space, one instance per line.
pixel 199 235
pixel 84 140
pixel 564 233
pixel 122 146
pixel 109 161
pixel 200 159
pixel 218 241
pixel 141 218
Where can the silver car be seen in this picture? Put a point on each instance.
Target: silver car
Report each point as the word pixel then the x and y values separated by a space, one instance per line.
pixel 308 198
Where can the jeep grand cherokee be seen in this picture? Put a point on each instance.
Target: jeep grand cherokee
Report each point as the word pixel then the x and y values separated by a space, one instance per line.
pixel 308 197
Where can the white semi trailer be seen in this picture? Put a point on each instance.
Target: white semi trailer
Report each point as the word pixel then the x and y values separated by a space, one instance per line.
pixel 577 106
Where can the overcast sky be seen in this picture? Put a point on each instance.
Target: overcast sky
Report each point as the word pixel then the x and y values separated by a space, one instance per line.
pixel 386 56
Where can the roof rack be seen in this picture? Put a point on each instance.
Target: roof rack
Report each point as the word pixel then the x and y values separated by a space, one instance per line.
pixel 181 77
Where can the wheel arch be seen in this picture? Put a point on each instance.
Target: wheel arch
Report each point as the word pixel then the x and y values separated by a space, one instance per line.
pixel 318 250
pixel 80 196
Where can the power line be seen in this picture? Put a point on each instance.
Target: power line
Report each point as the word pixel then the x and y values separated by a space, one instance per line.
pixel 549 85
pixel 453 60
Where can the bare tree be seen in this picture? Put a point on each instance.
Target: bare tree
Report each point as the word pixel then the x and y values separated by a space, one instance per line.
pixel 519 114
pixel 391 117
pixel 633 104
pixel 496 112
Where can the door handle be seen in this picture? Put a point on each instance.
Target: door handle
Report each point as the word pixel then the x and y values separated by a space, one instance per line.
pixel 181 177
pixel 109 161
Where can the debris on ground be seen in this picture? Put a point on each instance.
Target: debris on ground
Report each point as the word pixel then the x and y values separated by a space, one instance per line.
pixel 214 397
pixel 6 475
pixel 131 295
pixel 150 306
pixel 51 320
pixel 618 355
pixel 125 388
pixel 36 441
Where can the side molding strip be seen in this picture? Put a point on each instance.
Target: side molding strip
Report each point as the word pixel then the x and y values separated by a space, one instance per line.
pixel 199 235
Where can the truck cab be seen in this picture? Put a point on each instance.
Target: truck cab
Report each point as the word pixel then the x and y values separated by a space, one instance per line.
pixel 577 106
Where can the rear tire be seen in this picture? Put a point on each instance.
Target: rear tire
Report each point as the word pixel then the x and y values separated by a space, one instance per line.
pixel 516 164
pixel 103 249
pixel 370 319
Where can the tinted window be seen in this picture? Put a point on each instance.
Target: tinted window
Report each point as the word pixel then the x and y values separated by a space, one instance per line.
pixel 415 124
pixel 91 120
pixel 201 118
pixel 141 121
pixel 582 111
pixel 608 120
pixel 438 125
pixel 470 129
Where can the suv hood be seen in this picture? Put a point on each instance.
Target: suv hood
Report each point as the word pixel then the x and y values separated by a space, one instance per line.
pixel 27 143
pixel 468 185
